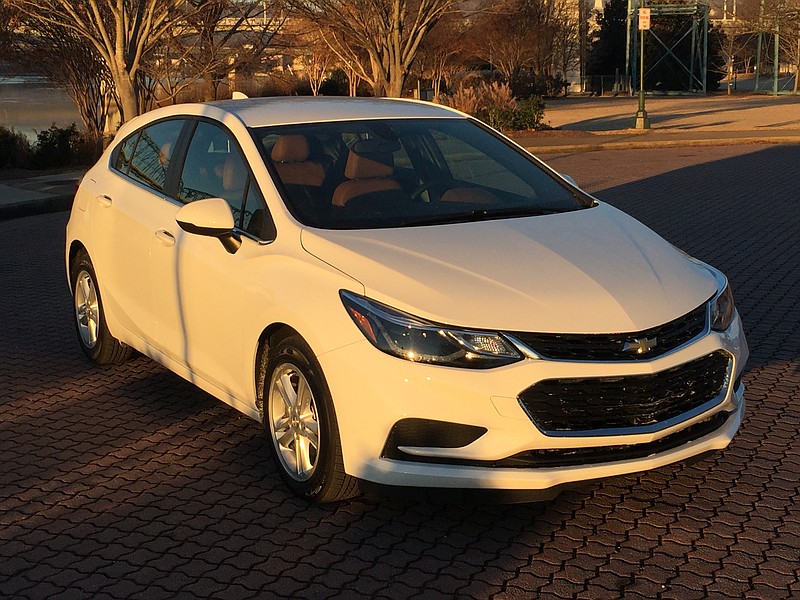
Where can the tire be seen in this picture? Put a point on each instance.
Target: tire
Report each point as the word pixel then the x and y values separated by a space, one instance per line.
pixel 90 322
pixel 300 423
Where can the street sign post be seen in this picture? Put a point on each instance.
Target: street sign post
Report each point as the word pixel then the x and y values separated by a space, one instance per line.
pixel 642 121
pixel 644 19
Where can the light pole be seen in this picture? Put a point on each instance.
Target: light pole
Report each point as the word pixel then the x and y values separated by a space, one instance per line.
pixel 642 121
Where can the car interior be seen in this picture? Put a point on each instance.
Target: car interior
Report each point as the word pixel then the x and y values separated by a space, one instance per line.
pixel 363 174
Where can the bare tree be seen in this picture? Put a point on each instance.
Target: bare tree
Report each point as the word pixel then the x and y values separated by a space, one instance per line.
pixel 389 32
pixel 353 78
pixel 120 31
pixel 317 60
pixel 734 43
pixel 441 53
pixel 566 39
pixel 503 38
pixel 790 44
pixel 215 40
pixel 7 25
pixel 221 37
pixel 67 60
pixel 535 35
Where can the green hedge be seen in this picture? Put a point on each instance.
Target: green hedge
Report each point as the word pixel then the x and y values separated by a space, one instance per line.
pixel 15 149
pixel 54 148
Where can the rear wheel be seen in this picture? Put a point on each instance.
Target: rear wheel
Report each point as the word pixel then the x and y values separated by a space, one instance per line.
pixel 301 424
pixel 90 322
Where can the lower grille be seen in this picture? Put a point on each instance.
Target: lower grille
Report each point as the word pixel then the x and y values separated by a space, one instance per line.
pixel 426 433
pixel 632 403
pixel 568 457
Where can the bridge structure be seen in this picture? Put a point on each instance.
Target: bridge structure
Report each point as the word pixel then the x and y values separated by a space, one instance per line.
pixel 692 17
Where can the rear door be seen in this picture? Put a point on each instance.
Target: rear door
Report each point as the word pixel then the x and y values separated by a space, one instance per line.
pixel 130 207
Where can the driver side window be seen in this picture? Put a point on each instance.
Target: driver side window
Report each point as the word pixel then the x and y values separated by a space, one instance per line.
pixel 215 168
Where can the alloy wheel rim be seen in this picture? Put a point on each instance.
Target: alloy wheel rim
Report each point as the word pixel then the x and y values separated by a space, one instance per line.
pixel 294 422
pixel 87 309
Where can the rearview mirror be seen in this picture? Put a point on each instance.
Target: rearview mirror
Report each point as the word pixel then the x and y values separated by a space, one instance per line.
pixel 210 217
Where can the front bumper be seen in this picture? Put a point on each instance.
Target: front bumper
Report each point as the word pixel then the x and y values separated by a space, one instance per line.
pixel 373 391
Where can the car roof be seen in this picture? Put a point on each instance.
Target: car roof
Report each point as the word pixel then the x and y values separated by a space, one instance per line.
pixel 260 112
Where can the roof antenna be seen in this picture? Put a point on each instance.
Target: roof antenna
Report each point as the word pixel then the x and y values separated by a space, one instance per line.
pixel 239 96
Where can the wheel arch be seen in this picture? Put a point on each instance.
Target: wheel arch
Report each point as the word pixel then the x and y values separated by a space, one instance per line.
pixel 75 248
pixel 270 336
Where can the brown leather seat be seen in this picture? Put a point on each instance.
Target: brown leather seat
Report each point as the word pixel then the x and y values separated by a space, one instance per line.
pixel 365 175
pixel 290 157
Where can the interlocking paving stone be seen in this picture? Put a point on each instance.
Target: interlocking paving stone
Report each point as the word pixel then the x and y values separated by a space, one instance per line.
pixel 128 482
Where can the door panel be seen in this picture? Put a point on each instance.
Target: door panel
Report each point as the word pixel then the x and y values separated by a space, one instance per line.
pixel 197 284
pixel 129 207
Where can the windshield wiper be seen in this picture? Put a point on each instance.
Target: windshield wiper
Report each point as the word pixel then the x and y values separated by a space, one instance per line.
pixel 478 215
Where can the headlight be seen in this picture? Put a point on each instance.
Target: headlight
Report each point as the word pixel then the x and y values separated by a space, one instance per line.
pixel 722 309
pixel 414 339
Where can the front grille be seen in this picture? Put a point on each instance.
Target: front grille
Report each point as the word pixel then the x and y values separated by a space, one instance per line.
pixel 636 402
pixel 612 346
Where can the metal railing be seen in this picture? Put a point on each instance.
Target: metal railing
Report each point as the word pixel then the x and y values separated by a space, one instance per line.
pixel 606 85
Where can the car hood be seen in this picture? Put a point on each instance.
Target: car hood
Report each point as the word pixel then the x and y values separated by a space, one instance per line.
pixel 588 271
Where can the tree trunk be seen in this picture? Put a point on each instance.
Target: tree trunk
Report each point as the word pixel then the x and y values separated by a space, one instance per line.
pixel 127 94
pixel 797 67
pixel 394 89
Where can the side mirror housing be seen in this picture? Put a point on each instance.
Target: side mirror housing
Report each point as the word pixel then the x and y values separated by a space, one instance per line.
pixel 568 179
pixel 210 217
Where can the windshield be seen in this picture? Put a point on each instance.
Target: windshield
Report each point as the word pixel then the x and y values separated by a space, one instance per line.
pixel 414 172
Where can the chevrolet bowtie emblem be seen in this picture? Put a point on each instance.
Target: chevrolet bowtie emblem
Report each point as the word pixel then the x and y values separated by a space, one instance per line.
pixel 640 345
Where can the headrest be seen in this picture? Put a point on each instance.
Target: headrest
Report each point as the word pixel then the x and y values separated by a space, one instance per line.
pixel 376 146
pixel 165 153
pixel 361 167
pixel 233 174
pixel 290 148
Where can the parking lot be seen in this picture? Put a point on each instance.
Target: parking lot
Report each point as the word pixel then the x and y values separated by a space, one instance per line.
pixel 128 482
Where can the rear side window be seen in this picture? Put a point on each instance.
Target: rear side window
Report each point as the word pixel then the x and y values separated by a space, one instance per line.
pixel 145 156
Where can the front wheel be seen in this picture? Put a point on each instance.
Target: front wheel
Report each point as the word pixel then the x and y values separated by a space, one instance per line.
pixel 93 335
pixel 301 424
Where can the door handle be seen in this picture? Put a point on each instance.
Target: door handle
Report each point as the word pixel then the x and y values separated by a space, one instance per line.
pixel 105 200
pixel 165 237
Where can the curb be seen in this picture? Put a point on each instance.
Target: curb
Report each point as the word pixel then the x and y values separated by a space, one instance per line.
pixel 31 208
pixel 643 145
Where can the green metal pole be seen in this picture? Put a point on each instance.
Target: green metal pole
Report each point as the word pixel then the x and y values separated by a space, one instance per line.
pixel 641 121
pixel 693 57
pixel 704 66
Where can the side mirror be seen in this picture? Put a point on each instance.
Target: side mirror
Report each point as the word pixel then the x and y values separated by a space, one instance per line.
pixel 568 179
pixel 210 217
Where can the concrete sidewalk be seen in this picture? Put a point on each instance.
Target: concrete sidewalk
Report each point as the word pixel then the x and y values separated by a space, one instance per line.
pixel 581 125
pixel 585 124
pixel 37 195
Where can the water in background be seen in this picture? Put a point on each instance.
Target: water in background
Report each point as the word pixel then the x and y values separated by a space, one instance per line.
pixel 29 105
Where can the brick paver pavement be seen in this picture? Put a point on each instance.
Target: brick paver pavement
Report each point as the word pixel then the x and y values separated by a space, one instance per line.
pixel 127 482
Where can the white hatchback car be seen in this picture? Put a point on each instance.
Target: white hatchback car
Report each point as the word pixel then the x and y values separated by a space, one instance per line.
pixel 402 296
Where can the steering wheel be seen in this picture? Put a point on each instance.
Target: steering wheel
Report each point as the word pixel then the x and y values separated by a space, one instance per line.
pixel 434 185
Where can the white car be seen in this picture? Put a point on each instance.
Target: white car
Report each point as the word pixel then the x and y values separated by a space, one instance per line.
pixel 402 296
